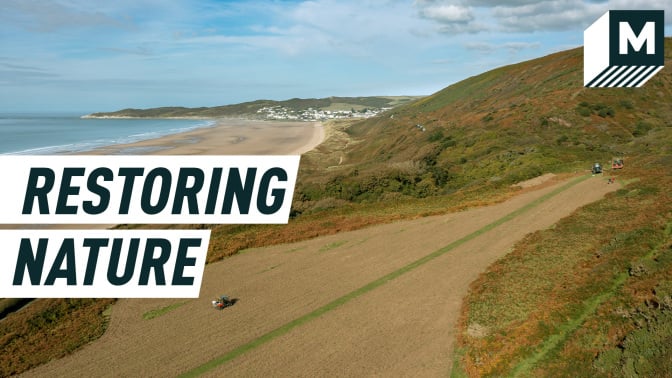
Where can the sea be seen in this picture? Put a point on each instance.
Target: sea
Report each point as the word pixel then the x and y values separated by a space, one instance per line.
pixel 44 134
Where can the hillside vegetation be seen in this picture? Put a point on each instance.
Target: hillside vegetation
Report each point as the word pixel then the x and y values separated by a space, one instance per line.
pixel 591 296
pixel 601 282
pixel 491 131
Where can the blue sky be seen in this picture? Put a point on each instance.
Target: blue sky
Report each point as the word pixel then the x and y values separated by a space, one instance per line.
pixel 85 55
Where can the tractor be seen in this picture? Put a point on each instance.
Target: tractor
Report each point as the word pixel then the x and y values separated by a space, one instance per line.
pixel 597 169
pixel 617 163
pixel 223 302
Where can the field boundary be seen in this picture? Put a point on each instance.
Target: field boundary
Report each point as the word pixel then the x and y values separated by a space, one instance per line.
pixel 524 367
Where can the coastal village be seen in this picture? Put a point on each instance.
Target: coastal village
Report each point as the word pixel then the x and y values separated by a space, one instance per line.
pixel 280 112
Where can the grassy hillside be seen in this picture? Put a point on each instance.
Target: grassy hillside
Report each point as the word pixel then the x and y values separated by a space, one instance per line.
pixel 249 109
pixel 490 131
pixel 46 329
pixel 465 146
pixel 591 296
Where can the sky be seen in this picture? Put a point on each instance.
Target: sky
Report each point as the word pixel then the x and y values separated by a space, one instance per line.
pixel 89 55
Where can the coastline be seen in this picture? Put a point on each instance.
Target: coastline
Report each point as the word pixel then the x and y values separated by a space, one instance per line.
pixel 91 116
pixel 228 137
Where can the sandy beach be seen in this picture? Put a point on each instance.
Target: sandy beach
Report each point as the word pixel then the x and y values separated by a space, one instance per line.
pixel 229 137
pixel 226 137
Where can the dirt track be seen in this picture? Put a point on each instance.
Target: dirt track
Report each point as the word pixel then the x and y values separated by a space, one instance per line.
pixel 403 327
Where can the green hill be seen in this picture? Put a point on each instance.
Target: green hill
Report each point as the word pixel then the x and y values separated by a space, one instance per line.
pixel 495 129
pixel 592 296
pixel 250 109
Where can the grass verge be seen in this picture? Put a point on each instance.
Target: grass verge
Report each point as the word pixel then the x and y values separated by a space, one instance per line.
pixel 565 300
pixel 43 330
pixel 333 245
pixel 161 311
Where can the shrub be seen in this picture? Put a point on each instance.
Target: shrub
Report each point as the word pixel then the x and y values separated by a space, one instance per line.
pixel 627 104
pixel 641 129
pixel 584 111
pixel 605 112
pixel 436 135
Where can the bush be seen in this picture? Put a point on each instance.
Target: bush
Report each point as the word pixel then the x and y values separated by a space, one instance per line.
pixel 627 104
pixel 606 112
pixel 327 204
pixel 644 352
pixel 641 129
pixel 584 111
pixel 598 107
pixel 436 136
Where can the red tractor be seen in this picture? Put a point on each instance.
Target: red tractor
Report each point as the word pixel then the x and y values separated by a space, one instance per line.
pixel 223 302
pixel 617 163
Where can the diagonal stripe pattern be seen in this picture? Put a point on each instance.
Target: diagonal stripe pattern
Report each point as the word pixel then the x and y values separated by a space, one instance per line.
pixel 624 76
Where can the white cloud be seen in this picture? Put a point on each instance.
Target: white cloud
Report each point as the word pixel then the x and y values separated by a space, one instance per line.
pixel 447 13
pixel 47 16
pixel 517 46
pixel 489 3
pixel 488 47
pixel 480 46
pixel 449 17
pixel 547 15
pixel 461 28
pixel 564 14
pixel 290 48
pixel 645 4
pixel 524 16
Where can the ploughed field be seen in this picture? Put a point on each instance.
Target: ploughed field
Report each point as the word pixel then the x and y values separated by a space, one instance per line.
pixel 378 301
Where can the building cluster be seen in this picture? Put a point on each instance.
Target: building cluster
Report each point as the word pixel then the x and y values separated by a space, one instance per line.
pixel 280 112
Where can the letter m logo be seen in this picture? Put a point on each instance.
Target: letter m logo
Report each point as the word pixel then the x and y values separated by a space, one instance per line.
pixel 623 48
pixel 627 36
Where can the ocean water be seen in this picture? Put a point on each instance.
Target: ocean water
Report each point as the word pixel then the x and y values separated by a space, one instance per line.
pixel 41 134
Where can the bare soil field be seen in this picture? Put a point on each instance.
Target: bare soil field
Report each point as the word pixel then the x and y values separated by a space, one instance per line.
pixel 401 326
